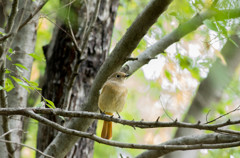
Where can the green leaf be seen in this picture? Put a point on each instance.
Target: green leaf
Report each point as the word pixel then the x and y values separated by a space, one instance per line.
pixel 19 70
pixel 25 87
pixel 8 85
pixel 37 88
pixel 41 104
pixel 16 79
pixel 168 75
pixel 8 58
pixel 195 73
pixel 32 84
pixel 52 106
pixel 10 50
pixel 173 13
pixel 211 25
pixel 21 66
pixel 184 61
pixel 22 84
pixel 7 71
pixel 62 118
pixel 222 28
pixel 1 87
pixel 36 57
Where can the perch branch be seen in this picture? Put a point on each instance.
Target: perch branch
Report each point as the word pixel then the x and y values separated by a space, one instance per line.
pixel 138 124
pixel 220 140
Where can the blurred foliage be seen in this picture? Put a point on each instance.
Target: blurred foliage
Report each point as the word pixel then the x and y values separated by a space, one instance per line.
pixel 31 140
pixel 163 93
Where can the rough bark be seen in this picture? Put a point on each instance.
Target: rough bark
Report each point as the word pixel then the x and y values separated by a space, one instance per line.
pixel 61 56
pixel 3 6
pixel 22 43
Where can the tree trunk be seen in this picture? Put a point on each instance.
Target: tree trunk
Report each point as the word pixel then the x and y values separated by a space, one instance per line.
pixel 61 57
pixel 23 43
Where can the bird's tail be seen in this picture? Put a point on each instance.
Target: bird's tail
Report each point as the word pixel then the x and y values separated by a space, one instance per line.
pixel 107 129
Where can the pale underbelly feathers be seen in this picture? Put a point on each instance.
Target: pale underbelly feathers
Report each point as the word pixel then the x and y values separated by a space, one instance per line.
pixel 112 97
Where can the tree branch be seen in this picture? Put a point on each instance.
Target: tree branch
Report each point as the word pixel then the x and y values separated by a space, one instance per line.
pixel 138 124
pixel 182 30
pixel 30 17
pixel 25 21
pixel 209 141
pixel 12 16
pixel 123 49
pixel 206 140
pixel 125 46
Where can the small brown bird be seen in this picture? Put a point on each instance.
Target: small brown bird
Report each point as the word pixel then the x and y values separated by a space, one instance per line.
pixel 112 99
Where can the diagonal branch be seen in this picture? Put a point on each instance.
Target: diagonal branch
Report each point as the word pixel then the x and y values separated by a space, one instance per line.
pixel 118 56
pixel 182 30
pixel 126 45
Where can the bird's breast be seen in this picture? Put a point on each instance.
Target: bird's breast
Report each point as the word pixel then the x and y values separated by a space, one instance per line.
pixel 112 97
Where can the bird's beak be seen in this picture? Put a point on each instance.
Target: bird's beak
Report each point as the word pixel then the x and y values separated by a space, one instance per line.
pixel 127 75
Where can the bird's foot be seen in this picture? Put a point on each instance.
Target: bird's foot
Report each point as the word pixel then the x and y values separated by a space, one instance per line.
pixel 118 115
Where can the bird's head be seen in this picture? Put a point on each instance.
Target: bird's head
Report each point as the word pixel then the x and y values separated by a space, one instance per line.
pixel 118 76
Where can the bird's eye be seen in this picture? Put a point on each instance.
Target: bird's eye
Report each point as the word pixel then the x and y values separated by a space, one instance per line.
pixel 118 76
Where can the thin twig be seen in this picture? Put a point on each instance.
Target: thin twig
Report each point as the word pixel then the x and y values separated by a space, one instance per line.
pixel 165 111
pixel 69 35
pixel 12 16
pixel 92 22
pixel 207 115
pixel 30 17
pixel 237 108
pixel 72 78
pixel 25 21
pixel 56 10
pixel 10 131
pixel 72 34
pixel 11 142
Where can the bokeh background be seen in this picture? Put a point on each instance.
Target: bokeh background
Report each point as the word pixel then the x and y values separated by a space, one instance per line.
pixel 163 88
